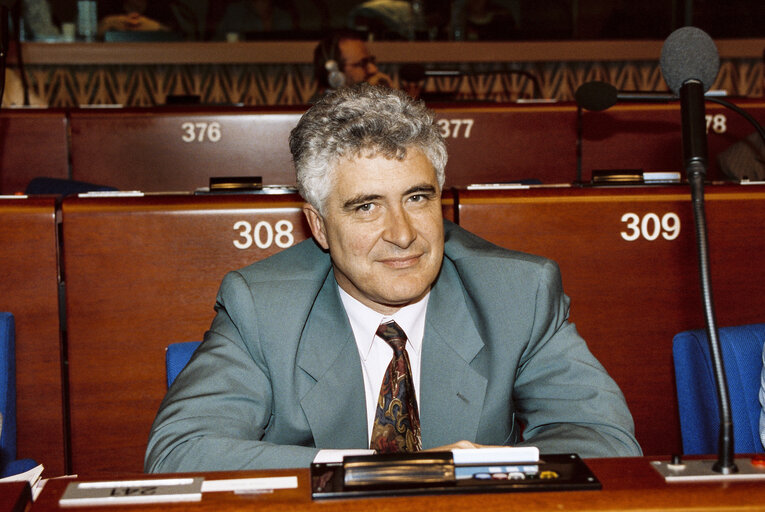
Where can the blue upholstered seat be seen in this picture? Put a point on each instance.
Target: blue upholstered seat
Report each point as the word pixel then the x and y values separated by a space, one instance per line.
pixel 9 465
pixel 741 348
pixel 176 357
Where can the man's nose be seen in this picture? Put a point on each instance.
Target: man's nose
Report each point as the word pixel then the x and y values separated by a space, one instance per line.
pixel 398 228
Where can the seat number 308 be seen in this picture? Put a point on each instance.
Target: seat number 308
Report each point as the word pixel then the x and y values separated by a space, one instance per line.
pixel 651 226
pixel 263 235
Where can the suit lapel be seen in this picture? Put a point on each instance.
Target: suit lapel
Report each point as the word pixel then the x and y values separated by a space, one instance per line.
pixel 452 392
pixel 335 404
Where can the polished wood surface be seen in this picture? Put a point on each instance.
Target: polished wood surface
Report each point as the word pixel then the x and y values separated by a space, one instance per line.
pixel 629 298
pixel 29 279
pixel 628 484
pixel 171 149
pixel 179 148
pixel 15 496
pixel 301 52
pixel 649 136
pixel 33 142
pixel 143 273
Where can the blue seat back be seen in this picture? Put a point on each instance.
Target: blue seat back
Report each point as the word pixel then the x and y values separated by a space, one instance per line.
pixel 177 356
pixel 7 389
pixel 741 348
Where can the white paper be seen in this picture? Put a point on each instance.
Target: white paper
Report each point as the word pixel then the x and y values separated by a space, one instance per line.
pixel 499 455
pixel 331 456
pixel 250 484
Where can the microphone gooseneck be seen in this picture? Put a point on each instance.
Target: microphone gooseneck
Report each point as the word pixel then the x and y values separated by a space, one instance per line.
pixel 689 63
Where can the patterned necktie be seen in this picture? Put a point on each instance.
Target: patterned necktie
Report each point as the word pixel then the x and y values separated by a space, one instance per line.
pixel 397 421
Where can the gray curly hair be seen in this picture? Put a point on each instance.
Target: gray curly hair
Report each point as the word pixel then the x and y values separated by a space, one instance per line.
pixel 360 121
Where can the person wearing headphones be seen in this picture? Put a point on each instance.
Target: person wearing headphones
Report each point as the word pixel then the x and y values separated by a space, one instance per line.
pixel 342 59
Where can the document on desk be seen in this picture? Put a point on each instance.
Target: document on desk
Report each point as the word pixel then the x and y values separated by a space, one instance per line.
pixel 166 490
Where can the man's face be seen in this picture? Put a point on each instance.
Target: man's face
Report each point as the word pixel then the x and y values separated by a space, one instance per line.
pixel 383 227
pixel 359 64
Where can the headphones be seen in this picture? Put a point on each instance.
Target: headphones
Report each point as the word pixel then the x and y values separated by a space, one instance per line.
pixel 335 77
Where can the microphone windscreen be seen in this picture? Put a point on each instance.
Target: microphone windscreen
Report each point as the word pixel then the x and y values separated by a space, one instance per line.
pixel 411 72
pixel 596 96
pixel 689 53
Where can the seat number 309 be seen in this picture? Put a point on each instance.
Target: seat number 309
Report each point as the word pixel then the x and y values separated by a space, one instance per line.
pixel 651 226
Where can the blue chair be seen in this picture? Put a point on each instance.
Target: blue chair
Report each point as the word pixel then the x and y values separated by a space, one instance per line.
pixel 177 356
pixel 741 348
pixel 8 463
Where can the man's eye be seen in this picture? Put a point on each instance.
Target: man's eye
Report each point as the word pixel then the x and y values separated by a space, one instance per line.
pixel 365 207
pixel 418 198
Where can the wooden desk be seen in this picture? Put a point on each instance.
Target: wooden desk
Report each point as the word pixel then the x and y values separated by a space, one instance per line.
pixel 179 149
pixel 29 279
pixel 15 496
pixel 633 276
pixel 649 136
pixel 628 484
pixel 33 142
pixel 143 272
pixel 168 149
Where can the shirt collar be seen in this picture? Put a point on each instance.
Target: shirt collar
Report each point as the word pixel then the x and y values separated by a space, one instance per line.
pixel 364 322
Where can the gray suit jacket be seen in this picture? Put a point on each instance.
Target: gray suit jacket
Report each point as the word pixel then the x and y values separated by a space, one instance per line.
pixel 278 375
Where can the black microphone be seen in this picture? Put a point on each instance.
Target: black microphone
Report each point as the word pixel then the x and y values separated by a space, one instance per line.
pixel 597 96
pixel 690 62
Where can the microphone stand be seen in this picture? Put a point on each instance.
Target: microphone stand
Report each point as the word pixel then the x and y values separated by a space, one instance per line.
pixel 694 144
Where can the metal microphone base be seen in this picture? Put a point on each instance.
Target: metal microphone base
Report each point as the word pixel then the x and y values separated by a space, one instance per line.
pixel 702 470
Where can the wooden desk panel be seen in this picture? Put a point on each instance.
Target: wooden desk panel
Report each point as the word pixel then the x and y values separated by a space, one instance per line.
pixel 649 136
pixel 492 143
pixel 629 298
pixel 165 149
pixel 29 279
pixel 179 149
pixel 32 143
pixel 15 496
pixel 628 484
pixel 142 273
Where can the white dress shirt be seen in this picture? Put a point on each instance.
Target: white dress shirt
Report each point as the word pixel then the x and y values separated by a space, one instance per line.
pixel 375 353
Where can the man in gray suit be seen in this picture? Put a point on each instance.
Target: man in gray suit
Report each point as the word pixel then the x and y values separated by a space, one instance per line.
pixel 292 365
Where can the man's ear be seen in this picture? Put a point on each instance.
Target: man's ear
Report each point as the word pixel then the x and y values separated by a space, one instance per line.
pixel 316 223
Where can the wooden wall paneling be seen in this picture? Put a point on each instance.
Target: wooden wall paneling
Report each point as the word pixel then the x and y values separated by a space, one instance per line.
pixel 29 280
pixel 629 298
pixel 33 143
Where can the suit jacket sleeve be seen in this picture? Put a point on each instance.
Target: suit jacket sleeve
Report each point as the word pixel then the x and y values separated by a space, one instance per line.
pixel 565 398
pixel 215 415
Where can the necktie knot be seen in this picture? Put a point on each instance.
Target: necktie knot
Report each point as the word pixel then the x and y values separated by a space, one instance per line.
pixel 393 335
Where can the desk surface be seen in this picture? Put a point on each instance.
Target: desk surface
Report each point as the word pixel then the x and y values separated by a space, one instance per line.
pixel 14 496
pixel 628 484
